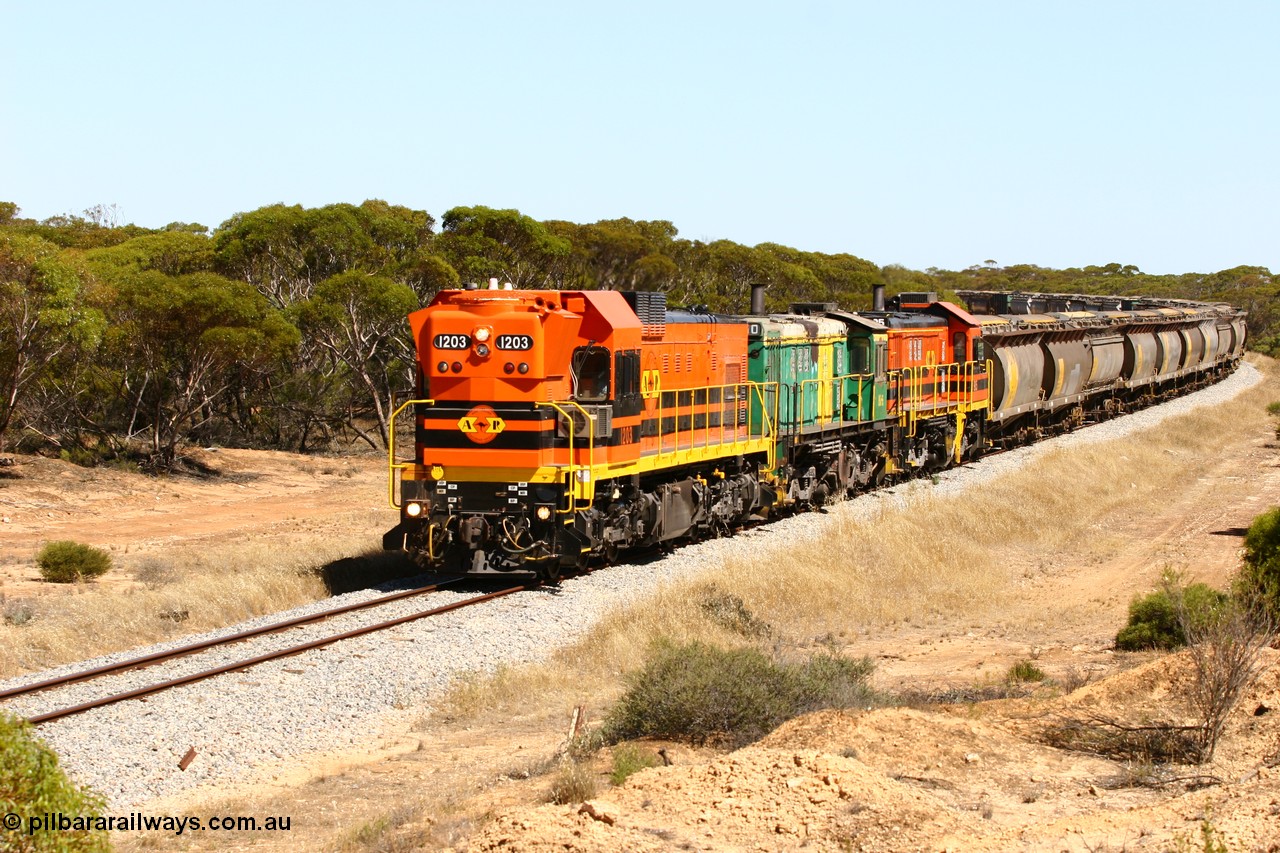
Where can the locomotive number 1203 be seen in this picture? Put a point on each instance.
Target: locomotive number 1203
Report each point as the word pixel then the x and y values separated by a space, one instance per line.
pixel 514 342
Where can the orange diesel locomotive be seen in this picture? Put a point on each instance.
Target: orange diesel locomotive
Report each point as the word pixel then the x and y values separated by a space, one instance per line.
pixel 559 424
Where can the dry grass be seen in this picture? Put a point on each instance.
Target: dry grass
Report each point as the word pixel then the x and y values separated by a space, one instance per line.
pixel 184 590
pixel 935 555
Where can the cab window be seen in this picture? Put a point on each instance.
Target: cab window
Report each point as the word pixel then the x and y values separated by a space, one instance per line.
pixel 859 362
pixel 591 374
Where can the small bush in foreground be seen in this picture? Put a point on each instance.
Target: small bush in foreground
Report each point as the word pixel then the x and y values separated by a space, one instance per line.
pixel 699 693
pixel 65 561
pixel 18 612
pixel 33 785
pixel 628 759
pixel 1153 619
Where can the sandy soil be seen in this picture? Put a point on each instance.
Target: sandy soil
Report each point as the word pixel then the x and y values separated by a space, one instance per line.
pixel 973 776
pixel 247 493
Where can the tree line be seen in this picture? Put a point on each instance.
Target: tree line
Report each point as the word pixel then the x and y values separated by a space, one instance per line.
pixel 284 327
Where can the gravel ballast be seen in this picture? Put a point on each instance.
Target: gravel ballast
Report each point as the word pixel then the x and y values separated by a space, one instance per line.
pixel 343 695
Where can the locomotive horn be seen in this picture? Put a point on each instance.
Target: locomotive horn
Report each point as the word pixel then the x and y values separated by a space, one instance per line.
pixel 757 299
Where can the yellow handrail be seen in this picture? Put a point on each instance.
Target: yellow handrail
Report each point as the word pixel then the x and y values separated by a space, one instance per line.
pixel 392 464
pixel 591 453
pixel 680 439
pixel 839 397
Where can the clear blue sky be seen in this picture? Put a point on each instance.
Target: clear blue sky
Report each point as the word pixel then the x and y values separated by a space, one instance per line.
pixel 926 134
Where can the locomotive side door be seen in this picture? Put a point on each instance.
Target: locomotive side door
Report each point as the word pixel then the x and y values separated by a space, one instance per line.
pixel 824 382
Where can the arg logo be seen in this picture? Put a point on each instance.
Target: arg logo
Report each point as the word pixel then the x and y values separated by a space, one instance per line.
pixel 481 424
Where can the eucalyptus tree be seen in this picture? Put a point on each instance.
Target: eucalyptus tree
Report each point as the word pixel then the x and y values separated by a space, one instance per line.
pixel 483 243
pixel 181 344
pixel 285 251
pixel 43 315
pixel 359 321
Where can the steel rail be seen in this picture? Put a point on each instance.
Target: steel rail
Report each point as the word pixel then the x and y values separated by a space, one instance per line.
pixel 286 652
pixel 192 648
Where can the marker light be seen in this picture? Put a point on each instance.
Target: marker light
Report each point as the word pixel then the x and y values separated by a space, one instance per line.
pixel 457 367
pixel 444 366
pixel 508 368
pixel 524 368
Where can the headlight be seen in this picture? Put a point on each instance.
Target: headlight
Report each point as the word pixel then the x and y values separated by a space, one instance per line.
pixel 413 510
pixel 482 333
pixel 544 512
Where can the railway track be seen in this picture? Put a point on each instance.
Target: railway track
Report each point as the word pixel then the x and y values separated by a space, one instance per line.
pixel 241 636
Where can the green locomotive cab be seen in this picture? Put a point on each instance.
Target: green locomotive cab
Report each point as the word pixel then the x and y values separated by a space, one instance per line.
pixel 825 378
pixel 798 359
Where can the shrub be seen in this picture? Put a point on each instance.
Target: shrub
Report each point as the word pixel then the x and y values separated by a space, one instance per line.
pixel 155 572
pixel 629 758
pixel 1023 671
pixel 574 783
pixel 33 785
pixel 1153 619
pixel 830 681
pixel 78 456
pixel 67 562
pixel 699 693
pixel 17 612
pixel 1258 584
pixel 730 612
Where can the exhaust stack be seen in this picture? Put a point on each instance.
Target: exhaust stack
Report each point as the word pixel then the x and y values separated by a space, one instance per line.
pixel 757 300
pixel 877 297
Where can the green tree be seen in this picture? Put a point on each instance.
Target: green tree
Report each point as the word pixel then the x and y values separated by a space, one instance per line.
pixel 1258 583
pixel 286 251
pixel 483 243
pixel 176 252
pixel 42 316
pixel 181 342
pixel 619 254
pixel 360 321
pixel 427 275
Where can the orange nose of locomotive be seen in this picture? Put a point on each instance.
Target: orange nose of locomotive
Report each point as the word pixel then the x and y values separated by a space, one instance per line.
pixel 482 345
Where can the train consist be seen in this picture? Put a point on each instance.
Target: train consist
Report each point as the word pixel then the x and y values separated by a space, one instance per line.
pixel 552 427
